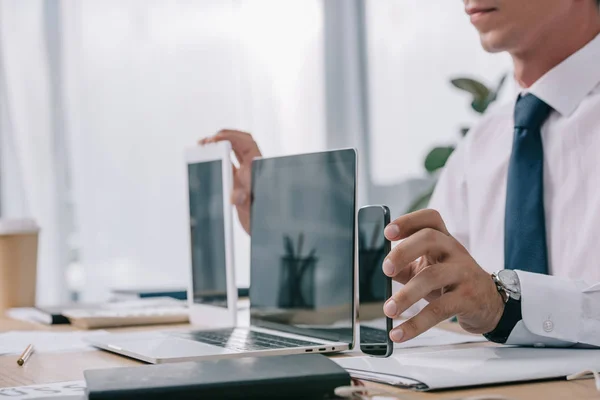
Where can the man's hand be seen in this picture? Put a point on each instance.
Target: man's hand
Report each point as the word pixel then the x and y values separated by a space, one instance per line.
pixel 245 149
pixel 434 266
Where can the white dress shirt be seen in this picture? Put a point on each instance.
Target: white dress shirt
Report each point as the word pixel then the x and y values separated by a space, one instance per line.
pixel 563 308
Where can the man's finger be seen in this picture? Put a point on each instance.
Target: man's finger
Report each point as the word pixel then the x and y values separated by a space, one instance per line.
pixel 238 197
pixel 238 194
pixel 435 312
pixel 242 144
pixel 240 178
pixel 408 224
pixel 233 136
pixel 426 281
pixel 427 241
pixel 406 274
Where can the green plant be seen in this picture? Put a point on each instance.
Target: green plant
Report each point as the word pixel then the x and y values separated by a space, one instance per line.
pixel 436 159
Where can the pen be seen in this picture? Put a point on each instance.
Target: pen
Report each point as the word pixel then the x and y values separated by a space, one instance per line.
pixel 25 356
pixel 289 247
pixel 300 242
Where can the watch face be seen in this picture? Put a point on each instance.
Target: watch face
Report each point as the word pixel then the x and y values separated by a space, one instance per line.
pixel 510 280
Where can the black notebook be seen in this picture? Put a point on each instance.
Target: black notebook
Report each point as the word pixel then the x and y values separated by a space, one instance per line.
pixel 304 376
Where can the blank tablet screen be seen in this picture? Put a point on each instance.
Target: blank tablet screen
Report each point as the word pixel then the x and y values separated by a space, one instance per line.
pixel 207 233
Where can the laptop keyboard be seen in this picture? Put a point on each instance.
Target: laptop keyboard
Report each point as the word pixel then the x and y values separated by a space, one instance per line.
pixel 244 339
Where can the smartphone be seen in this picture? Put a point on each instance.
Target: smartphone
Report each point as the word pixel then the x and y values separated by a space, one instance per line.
pixel 374 287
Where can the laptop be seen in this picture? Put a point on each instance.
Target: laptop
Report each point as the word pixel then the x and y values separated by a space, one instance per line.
pixel 302 270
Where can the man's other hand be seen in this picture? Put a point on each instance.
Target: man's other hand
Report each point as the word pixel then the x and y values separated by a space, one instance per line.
pixel 434 266
pixel 245 149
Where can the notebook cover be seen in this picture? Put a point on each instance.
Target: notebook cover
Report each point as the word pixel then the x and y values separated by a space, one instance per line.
pixel 304 376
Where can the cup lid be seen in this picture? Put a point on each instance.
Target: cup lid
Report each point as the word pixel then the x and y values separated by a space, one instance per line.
pixel 18 226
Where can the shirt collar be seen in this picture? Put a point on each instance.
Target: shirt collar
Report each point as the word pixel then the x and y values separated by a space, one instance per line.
pixel 565 86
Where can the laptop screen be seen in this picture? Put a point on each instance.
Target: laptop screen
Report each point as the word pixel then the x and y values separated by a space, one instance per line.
pixel 302 247
pixel 207 230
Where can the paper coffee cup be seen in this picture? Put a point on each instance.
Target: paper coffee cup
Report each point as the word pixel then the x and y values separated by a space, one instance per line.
pixel 18 263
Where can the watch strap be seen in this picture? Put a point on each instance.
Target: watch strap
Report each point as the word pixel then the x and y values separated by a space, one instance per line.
pixel 510 317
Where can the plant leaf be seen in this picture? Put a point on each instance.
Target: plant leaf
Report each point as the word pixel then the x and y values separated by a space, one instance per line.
pixel 422 201
pixel 476 88
pixel 464 130
pixel 437 158
pixel 480 92
pixel 480 105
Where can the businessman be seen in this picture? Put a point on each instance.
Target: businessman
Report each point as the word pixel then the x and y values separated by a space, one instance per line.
pixel 511 244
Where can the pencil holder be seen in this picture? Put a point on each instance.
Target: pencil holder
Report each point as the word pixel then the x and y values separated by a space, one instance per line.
pixel 297 282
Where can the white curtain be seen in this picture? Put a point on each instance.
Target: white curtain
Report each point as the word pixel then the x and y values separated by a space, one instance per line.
pixel 149 78
pixel 28 138
pixel 142 80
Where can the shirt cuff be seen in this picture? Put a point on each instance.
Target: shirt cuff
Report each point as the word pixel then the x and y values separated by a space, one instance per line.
pixel 551 308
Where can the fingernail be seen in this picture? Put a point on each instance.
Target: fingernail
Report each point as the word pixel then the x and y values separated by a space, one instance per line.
pixel 391 231
pixel 397 334
pixel 388 267
pixel 390 309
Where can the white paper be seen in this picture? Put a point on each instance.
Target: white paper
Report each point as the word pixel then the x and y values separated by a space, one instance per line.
pixel 28 314
pixel 471 366
pixel 432 337
pixel 439 337
pixel 14 342
pixel 74 390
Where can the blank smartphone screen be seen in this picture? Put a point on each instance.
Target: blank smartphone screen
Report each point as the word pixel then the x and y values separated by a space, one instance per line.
pixel 373 284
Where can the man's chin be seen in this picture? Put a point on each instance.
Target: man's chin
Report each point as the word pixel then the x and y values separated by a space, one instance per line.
pixel 492 42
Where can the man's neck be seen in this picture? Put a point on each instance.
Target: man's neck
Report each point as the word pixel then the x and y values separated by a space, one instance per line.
pixel 552 49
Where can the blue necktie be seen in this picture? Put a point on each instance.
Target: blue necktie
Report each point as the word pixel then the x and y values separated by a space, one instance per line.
pixel 524 221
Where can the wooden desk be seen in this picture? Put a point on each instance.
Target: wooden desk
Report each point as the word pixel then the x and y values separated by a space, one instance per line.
pixel 56 367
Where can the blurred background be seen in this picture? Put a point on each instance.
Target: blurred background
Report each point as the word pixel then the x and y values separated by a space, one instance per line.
pixel 98 100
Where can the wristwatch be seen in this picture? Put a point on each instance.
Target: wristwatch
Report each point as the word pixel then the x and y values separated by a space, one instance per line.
pixel 508 285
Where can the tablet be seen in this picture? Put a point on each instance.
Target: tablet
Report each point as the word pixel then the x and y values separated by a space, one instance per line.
pixel 212 294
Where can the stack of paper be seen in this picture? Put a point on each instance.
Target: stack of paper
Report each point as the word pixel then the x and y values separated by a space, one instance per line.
pixel 482 365
pixel 74 390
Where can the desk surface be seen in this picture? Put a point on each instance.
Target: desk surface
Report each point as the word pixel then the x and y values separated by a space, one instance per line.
pixel 56 367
